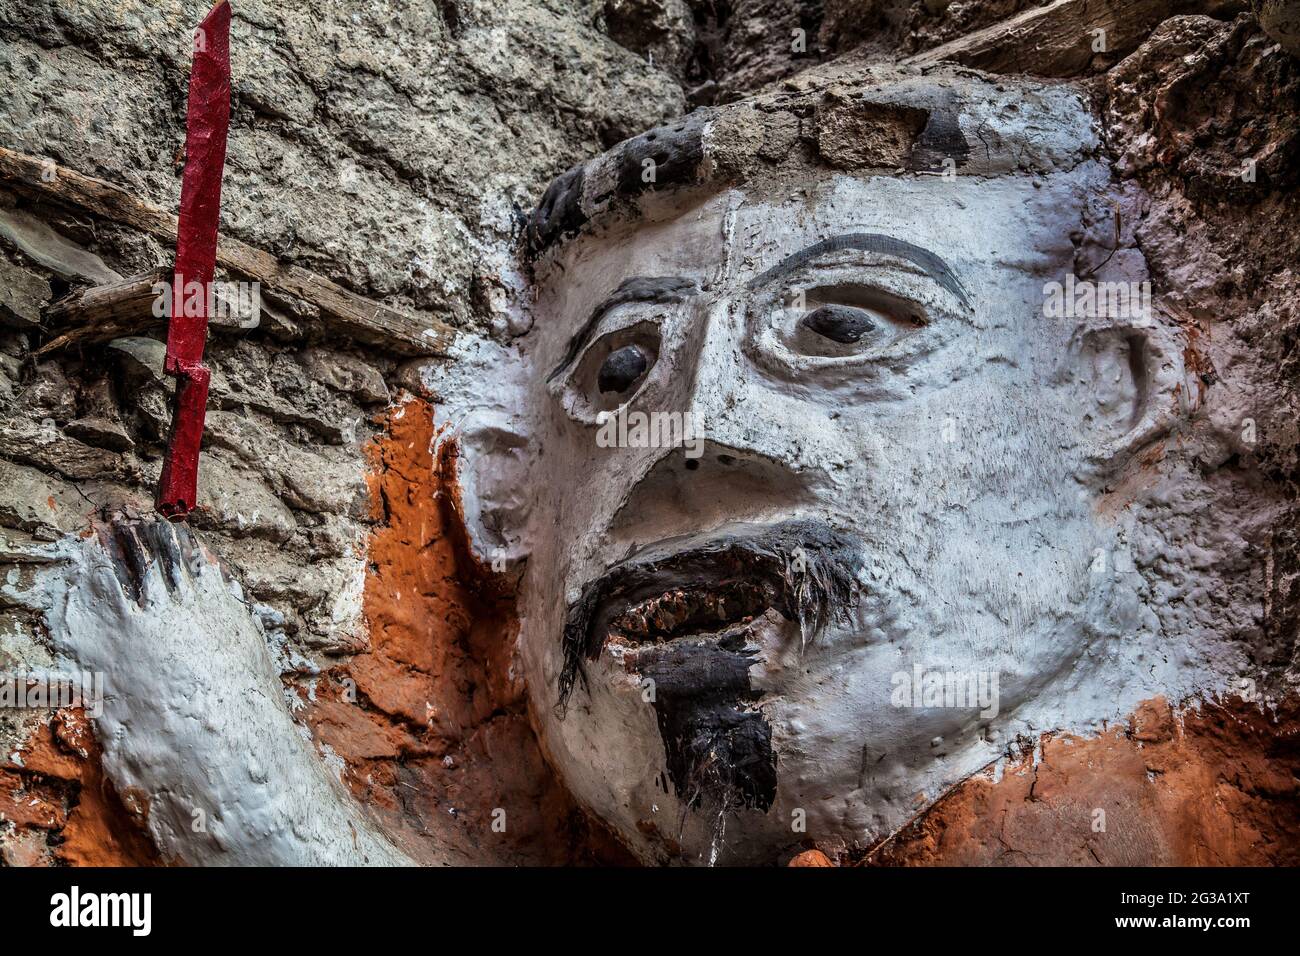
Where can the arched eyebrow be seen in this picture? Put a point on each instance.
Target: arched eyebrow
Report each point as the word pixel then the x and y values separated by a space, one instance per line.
pixel 933 266
pixel 657 289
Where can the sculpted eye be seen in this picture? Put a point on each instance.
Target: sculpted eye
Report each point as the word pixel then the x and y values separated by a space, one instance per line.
pixel 840 323
pixel 622 369
pixel 614 368
pixel 847 319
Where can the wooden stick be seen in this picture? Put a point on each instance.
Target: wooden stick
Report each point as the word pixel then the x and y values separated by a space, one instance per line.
pixel 1056 40
pixel 362 318
pixel 105 312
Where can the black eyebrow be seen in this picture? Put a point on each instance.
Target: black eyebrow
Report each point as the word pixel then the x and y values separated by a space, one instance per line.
pixel 934 267
pixel 637 289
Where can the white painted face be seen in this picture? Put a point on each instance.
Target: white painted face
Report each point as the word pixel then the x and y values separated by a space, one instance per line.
pixel 864 361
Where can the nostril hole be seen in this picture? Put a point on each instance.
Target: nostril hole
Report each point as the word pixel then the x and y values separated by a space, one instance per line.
pixel 692 464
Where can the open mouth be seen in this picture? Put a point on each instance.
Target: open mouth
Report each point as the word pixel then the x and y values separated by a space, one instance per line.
pixel 697 586
pixel 682 611
pixel 705 607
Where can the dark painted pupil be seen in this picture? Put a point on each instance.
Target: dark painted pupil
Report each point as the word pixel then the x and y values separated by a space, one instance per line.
pixel 621 369
pixel 839 323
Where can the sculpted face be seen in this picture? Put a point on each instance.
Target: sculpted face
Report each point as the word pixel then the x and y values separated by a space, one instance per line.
pixel 815 522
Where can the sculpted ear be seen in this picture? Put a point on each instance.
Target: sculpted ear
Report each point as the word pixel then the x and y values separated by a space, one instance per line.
pixel 493 466
pixel 483 402
pixel 1126 373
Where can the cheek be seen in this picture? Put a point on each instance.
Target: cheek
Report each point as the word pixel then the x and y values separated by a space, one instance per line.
pixel 611 755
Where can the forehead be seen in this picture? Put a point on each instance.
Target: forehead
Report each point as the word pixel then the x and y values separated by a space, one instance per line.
pixel 992 234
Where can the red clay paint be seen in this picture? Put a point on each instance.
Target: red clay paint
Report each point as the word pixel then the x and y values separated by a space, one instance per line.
pixel 207 122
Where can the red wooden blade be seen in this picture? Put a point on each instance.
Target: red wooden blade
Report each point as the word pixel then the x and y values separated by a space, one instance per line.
pixel 207 123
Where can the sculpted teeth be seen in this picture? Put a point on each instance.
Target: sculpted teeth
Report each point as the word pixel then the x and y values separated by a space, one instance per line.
pixel 680 611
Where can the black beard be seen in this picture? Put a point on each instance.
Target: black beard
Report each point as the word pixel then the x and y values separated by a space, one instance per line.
pixel 683 609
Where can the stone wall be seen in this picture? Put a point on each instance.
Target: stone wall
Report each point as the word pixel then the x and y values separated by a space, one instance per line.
pixel 387 146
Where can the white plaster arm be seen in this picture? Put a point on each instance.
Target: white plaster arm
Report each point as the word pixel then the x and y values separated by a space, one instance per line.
pixel 194 717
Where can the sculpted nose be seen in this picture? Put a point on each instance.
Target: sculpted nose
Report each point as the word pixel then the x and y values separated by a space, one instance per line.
pixel 726 402
pixel 701 487
pixel 736 468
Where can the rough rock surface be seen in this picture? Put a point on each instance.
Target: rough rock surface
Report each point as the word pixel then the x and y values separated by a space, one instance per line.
pixel 1214 786
pixel 1204 123
pixel 384 145
pixel 387 147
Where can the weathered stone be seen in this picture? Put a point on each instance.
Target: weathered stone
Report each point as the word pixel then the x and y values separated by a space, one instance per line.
pixel 345 373
pixel 735 140
pixel 337 537
pixel 151 407
pixel 853 133
pixel 278 388
pixel 141 359
pixel 400 135
pixel 43 444
pixel 662 31
pixel 22 296
pixel 278 325
pixel 38 503
pixel 234 311
pixel 322 596
pixel 49 394
pixel 248 435
pixel 316 483
pixel 239 502
pixel 755 42
pixel 324 480
pixel 52 250
pixel 100 432
pixel 20 547
pixel 1280 20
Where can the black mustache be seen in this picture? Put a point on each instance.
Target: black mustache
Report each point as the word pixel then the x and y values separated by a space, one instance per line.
pixel 808 570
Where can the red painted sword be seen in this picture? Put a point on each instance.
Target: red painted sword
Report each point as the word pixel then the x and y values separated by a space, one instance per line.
pixel 207 121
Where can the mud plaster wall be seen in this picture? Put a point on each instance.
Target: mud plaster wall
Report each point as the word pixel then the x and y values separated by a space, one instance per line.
pixel 1211 786
pixel 59 807
pixel 431 718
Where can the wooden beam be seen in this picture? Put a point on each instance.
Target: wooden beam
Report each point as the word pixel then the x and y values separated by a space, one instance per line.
pixel 1057 40
pixel 355 315
pixel 104 312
